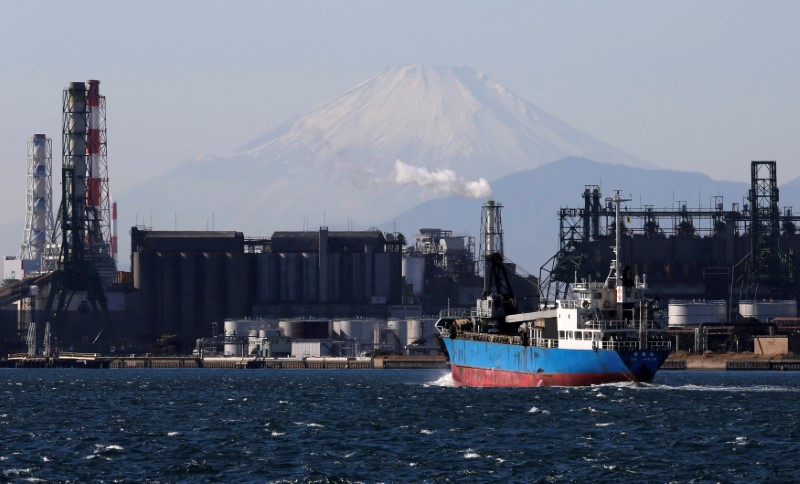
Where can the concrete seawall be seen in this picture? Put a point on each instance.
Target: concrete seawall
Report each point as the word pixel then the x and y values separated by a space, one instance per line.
pixel 90 360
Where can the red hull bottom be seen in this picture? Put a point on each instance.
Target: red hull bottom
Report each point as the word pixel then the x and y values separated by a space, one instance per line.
pixel 478 377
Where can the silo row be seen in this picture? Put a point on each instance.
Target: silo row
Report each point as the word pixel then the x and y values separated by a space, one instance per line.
pixel 296 277
pixel 182 293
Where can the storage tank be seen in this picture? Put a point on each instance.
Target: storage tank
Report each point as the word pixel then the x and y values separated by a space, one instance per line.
pixel 343 329
pixel 414 272
pixel 253 342
pixel 693 313
pixel 238 330
pixel 414 332
pixel 396 328
pixel 763 311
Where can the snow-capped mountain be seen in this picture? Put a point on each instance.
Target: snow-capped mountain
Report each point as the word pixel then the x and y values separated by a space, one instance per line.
pixel 406 135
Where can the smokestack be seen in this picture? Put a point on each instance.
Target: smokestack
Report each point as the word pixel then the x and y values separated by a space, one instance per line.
pixel 74 157
pixel 114 232
pixel 39 219
pixel 93 194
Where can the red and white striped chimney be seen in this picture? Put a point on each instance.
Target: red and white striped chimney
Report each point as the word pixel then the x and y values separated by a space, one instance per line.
pixel 93 186
pixel 114 231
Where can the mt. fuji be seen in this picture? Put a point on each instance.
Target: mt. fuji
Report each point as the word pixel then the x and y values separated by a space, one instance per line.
pixel 408 134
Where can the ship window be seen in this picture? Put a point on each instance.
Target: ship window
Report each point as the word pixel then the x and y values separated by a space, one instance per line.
pixel 569 335
pixel 561 334
pixel 597 295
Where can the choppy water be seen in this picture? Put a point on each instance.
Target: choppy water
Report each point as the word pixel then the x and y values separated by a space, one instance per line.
pixel 392 426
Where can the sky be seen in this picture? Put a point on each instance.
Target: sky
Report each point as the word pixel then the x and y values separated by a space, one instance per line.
pixel 703 86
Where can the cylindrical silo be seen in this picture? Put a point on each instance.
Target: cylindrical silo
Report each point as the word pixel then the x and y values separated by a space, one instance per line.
pixel 169 300
pixel 310 277
pixel 693 313
pixel 763 311
pixel 286 328
pixel 414 272
pixel 397 328
pixel 357 277
pixel 214 290
pixel 414 333
pixel 267 274
pixel 238 284
pixel 291 277
pixel 191 292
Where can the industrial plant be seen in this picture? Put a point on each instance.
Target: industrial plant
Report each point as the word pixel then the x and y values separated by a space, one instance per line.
pixel 725 277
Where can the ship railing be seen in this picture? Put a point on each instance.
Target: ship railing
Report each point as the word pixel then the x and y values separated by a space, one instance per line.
pixel 569 303
pixel 545 343
pixel 625 325
pixel 633 345
pixel 455 312
pixel 492 338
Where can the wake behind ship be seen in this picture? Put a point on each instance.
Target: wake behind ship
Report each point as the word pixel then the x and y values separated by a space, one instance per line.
pixel 605 332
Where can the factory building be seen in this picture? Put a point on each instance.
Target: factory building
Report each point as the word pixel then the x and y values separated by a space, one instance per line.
pixel 441 270
pixel 188 280
pixel 749 252
pixel 722 276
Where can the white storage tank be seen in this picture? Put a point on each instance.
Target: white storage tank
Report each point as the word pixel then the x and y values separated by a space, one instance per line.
pixel 693 313
pixel 249 328
pixel 414 272
pixel 414 334
pixel 396 334
pixel 763 311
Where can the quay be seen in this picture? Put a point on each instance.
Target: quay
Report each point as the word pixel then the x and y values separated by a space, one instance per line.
pixel 95 360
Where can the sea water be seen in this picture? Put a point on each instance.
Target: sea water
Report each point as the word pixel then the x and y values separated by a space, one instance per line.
pixel 203 425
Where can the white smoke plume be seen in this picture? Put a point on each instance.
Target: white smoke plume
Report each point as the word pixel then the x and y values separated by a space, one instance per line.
pixel 440 182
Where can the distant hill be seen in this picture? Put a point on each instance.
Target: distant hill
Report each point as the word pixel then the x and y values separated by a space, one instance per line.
pixel 532 198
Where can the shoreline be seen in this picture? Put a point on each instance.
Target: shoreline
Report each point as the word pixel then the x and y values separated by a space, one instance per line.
pixel 730 362
pixel 676 361
pixel 98 361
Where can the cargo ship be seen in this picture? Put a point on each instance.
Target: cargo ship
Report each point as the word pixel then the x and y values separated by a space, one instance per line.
pixel 603 332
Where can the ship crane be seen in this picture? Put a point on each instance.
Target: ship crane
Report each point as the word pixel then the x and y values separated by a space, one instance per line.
pixel 498 296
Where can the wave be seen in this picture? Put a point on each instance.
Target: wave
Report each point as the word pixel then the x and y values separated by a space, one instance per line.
pixel 446 380
pixel 700 388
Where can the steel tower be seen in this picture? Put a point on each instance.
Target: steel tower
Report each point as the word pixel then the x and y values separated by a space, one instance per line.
pixel 39 219
pixel 98 201
pixel 84 259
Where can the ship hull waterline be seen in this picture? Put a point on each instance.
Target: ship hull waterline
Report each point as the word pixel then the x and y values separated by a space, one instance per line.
pixel 483 364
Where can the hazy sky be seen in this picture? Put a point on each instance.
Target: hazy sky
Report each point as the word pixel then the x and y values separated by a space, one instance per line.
pixel 693 85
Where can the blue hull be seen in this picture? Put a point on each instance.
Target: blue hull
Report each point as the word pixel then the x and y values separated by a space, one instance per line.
pixel 480 363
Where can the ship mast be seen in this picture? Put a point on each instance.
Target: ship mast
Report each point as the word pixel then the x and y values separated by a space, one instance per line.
pixel 614 273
